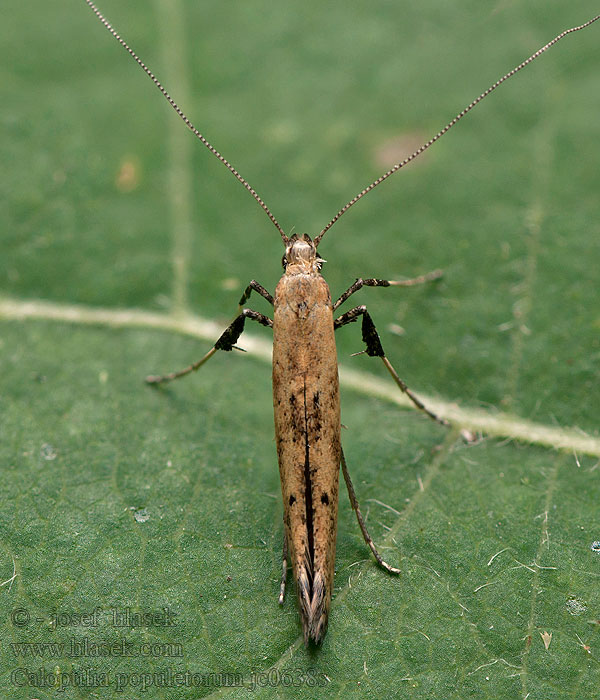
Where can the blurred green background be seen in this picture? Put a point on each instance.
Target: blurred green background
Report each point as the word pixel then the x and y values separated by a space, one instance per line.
pixel 310 102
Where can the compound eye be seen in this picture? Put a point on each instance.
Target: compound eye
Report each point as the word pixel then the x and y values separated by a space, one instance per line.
pixel 284 262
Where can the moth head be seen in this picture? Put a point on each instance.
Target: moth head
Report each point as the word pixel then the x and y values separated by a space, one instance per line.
pixel 301 252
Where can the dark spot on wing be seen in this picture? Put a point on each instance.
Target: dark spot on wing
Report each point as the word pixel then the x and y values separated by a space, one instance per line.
pixel 325 499
pixel 292 500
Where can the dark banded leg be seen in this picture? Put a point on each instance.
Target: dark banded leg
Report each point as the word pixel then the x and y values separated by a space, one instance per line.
pixel 226 342
pixel 361 522
pixel 283 569
pixel 374 349
pixel 360 283
pixel 254 286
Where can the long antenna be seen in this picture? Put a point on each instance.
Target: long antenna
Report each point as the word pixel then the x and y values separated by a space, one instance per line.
pixel 448 126
pixel 188 123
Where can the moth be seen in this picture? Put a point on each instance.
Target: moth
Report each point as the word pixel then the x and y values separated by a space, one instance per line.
pixel 306 399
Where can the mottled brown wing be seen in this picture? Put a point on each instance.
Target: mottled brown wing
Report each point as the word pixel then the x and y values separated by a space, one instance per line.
pixel 307 432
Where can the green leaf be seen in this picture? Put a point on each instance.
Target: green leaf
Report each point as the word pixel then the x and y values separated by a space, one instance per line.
pixel 125 247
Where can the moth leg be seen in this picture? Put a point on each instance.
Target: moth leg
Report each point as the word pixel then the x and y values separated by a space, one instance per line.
pixel 361 522
pixel 374 349
pixel 283 569
pixel 226 342
pixel 360 283
pixel 254 285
